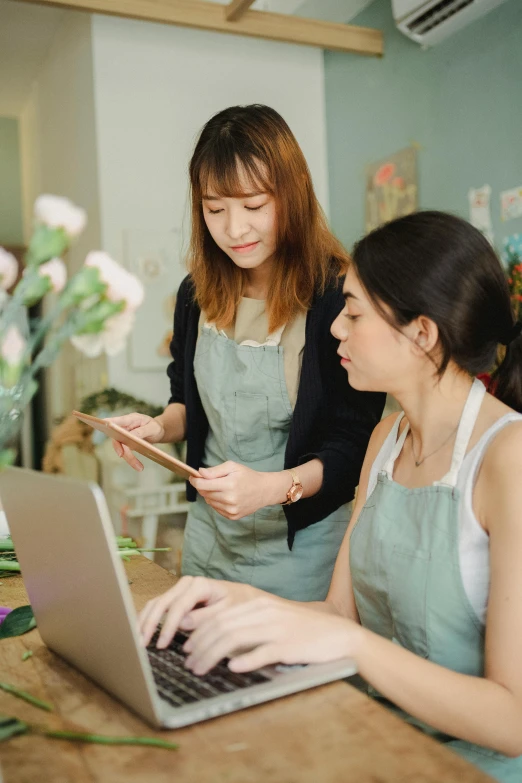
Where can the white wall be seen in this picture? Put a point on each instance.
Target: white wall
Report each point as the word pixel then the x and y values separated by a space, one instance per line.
pixel 58 153
pixel 155 86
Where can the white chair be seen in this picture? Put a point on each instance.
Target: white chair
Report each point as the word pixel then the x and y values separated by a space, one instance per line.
pixel 148 505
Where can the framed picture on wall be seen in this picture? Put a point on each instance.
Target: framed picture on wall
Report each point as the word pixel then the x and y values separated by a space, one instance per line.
pixel 156 258
pixel 391 188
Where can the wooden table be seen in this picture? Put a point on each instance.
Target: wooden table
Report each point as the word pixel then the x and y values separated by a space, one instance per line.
pixel 331 734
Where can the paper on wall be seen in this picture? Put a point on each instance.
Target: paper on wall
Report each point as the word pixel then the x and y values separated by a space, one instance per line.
pixel 511 203
pixel 479 210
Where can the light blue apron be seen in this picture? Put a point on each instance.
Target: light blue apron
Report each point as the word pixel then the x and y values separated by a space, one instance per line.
pixel 244 395
pixel 404 562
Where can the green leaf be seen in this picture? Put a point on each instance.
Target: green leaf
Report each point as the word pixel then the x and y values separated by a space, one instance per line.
pixel 16 623
pixel 46 243
pixel 43 705
pixel 9 727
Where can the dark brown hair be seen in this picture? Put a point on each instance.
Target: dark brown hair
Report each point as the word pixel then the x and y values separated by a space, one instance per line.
pixel 439 266
pixel 258 140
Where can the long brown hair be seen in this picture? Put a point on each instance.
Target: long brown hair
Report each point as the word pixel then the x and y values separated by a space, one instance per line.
pixel 257 140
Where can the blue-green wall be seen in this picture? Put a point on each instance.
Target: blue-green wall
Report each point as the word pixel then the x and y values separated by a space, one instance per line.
pixel 461 101
pixel 11 226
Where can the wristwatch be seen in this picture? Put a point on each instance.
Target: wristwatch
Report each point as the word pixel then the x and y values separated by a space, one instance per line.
pixel 295 492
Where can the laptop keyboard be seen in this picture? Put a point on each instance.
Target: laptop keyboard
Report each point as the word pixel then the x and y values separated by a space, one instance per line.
pixel 179 686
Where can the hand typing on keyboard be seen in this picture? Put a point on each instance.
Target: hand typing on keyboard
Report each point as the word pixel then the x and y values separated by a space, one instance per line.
pixel 251 627
pixel 179 686
pixel 192 601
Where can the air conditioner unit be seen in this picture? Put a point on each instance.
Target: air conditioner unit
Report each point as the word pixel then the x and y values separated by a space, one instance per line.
pixel 430 21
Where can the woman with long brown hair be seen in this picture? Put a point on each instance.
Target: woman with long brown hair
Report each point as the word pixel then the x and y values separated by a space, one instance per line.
pixel 256 387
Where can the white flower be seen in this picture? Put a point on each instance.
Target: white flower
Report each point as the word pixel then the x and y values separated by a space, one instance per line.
pixel 8 269
pixel 121 285
pixel 111 339
pixel 12 346
pixel 56 271
pixel 60 212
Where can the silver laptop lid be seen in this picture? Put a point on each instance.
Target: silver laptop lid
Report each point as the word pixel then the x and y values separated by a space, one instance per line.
pixel 76 582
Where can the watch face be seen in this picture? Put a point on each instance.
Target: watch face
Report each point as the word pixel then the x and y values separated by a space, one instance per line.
pixel 295 492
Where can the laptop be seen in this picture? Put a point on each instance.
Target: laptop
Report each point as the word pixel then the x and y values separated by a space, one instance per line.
pixel 78 588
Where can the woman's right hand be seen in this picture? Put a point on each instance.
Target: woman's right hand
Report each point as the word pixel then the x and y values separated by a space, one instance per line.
pixel 146 427
pixel 192 601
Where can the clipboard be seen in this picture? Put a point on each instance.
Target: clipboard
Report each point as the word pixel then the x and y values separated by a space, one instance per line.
pixel 139 445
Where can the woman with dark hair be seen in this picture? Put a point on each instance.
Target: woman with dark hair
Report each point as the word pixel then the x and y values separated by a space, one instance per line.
pixel 257 390
pixel 426 594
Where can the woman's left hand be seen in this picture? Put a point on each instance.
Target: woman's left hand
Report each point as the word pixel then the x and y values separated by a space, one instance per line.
pixel 236 491
pixel 268 631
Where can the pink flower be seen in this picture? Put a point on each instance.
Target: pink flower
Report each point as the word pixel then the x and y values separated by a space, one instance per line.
pixel 121 284
pixel 8 269
pixel 12 346
pixel 56 271
pixel 60 212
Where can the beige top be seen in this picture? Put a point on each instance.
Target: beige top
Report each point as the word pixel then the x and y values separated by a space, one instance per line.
pixel 252 324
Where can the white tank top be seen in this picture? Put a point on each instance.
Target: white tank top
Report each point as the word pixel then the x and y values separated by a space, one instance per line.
pixel 473 539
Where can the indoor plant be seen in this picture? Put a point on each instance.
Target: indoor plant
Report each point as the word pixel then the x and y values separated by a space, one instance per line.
pixel 94 309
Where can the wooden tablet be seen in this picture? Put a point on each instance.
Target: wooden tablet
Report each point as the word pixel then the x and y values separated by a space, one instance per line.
pixel 134 443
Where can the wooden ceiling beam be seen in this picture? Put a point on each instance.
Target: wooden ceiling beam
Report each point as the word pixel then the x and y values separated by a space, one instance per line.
pixel 236 9
pixel 257 24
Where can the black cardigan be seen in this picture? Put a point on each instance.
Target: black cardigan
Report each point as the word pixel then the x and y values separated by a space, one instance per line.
pixel 331 421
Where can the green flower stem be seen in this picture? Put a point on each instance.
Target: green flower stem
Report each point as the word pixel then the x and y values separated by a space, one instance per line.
pixel 43 705
pixel 49 353
pixel 157 549
pixel 68 298
pixel 17 299
pixel 43 327
pixel 124 541
pixel 139 550
pixel 101 739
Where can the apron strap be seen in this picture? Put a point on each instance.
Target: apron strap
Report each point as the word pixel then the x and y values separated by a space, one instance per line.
pixel 390 462
pixel 464 432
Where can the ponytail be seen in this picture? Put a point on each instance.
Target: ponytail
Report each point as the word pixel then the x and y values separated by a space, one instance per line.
pixel 508 376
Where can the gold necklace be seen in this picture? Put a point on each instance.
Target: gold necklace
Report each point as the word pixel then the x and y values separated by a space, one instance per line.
pixel 418 462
